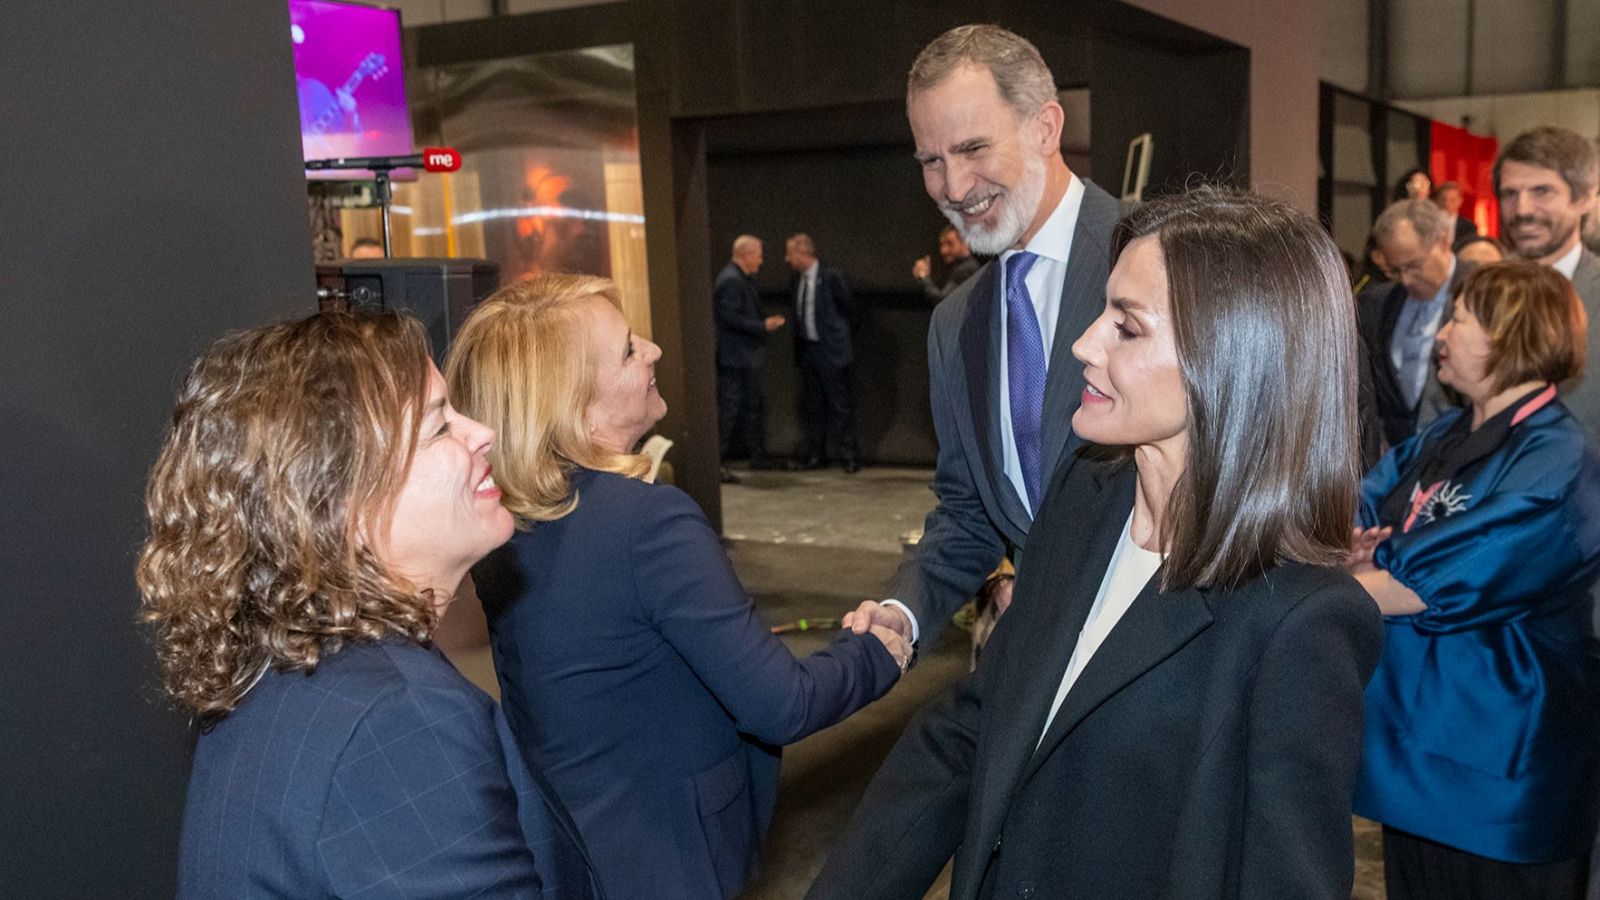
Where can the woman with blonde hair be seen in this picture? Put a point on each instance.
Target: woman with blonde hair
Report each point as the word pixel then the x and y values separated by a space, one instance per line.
pixel 634 669
pixel 314 508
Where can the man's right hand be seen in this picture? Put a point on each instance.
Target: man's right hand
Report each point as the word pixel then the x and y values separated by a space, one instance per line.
pixel 775 322
pixel 871 612
pixel 922 268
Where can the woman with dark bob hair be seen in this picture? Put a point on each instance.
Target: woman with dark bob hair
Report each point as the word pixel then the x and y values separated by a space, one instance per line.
pixel 1480 540
pixel 1172 705
pixel 314 508
pixel 634 668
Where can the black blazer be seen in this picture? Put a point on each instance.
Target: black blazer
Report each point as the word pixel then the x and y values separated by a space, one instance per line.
pixel 1208 749
pixel 741 329
pixel 835 308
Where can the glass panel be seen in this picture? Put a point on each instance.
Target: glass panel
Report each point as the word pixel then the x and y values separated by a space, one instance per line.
pixel 1404 149
pixel 1352 141
pixel 549 180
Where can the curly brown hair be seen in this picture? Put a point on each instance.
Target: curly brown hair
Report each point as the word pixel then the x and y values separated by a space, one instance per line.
pixel 286 451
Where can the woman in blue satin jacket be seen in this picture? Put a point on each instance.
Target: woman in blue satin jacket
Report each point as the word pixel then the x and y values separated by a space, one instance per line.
pixel 1480 540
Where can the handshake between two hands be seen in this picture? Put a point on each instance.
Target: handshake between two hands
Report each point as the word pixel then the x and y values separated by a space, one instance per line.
pixel 889 624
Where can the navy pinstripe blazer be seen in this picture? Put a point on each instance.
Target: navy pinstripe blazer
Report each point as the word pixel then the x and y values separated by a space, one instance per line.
pixel 383 774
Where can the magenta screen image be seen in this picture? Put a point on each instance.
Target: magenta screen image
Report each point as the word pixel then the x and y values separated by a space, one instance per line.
pixel 348 76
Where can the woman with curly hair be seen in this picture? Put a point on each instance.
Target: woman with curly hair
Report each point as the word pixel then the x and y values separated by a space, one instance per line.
pixel 314 508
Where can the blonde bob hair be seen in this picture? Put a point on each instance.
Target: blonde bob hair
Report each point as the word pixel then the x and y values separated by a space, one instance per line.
pixel 523 365
pixel 287 450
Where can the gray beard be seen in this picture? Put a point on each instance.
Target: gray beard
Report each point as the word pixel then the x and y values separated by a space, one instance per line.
pixel 1017 209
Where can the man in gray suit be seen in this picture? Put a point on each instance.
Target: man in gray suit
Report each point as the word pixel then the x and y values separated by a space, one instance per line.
pixel 1545 180
pixel 987 124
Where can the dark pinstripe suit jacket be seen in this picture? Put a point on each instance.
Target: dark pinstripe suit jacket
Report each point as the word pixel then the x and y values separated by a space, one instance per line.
pixel 383 774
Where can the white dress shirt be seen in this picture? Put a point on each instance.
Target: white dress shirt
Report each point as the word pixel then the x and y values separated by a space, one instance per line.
pixel 1053 244
pixel 807 301
pixel 1568 265
pixel 1130 570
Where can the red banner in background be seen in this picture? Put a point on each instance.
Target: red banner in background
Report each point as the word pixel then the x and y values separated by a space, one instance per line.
pixel 1467 159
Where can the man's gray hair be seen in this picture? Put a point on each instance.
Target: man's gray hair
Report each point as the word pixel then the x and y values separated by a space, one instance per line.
pixel 745 243
pixel 1019 71
pixel 1430 222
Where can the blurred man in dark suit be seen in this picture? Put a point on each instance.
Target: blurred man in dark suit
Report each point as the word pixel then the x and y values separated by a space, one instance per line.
pixel 823 309
pixel 958 265
pixel 1448 197
pixel 741 354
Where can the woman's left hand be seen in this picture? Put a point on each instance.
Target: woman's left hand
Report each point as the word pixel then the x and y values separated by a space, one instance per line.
pixel 1363 543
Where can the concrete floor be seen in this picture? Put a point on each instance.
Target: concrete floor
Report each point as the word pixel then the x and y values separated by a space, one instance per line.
pixel 811 545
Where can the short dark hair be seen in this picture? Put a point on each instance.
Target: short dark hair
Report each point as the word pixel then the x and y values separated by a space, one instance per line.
pixel 1559 149
pixel 1536 323
pixel 1401 188
pixel 1264 324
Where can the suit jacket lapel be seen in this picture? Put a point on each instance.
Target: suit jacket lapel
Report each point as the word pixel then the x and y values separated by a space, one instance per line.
pixel 980 354
pixel 1154 628
pixel 1393 306
pixel 1082 292
pixel 1055 592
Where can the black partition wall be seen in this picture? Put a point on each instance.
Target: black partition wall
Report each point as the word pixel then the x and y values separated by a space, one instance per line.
pixel 1363 147
pixel 770 118
pixel 154 199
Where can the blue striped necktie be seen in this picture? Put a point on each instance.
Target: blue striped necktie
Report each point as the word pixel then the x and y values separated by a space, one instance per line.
pixel 1026 366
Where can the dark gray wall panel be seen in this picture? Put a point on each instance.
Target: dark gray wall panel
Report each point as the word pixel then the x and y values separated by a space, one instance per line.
pixel 155 201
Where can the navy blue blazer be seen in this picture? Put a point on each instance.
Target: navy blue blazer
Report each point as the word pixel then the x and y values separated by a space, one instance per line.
pixel 384 773
pixel 1484 715
pixel 741 329
pixel 638 677
pixel 834 310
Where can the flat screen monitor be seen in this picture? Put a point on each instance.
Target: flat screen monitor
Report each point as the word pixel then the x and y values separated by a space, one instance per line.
pixel 347 68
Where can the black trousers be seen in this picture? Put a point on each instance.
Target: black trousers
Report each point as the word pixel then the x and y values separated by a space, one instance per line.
pixel 827 409
pixel 1416 868
pixel 741 412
